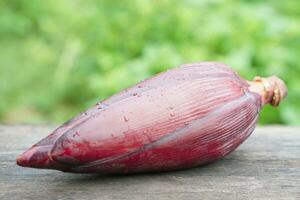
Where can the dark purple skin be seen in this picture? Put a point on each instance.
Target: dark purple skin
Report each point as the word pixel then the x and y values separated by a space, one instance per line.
pixel 181 118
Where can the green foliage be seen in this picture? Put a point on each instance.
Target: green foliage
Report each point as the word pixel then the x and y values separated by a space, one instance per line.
pixel 59 57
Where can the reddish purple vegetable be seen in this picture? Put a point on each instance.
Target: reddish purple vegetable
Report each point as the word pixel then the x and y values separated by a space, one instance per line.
pixel 181 118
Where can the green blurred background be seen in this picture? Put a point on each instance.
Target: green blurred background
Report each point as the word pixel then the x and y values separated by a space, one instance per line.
pixel 58 57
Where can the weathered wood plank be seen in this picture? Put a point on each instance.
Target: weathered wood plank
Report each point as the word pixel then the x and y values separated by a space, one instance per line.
pixel 266 166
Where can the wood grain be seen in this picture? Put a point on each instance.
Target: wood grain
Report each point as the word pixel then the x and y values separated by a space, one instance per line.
pixel 266 166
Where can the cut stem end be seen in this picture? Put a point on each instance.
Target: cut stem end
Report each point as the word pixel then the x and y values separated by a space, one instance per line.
pixel 271 89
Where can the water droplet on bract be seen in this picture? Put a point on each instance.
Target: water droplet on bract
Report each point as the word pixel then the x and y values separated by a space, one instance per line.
pixel 144 131
pixel 76 134
pixel 134 94
pixel 172 114
pixel 126 119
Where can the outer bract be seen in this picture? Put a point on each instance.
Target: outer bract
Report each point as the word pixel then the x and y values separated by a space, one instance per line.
pixel 181 118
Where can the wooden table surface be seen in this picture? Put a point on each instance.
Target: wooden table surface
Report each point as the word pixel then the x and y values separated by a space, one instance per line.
pixel 266 166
